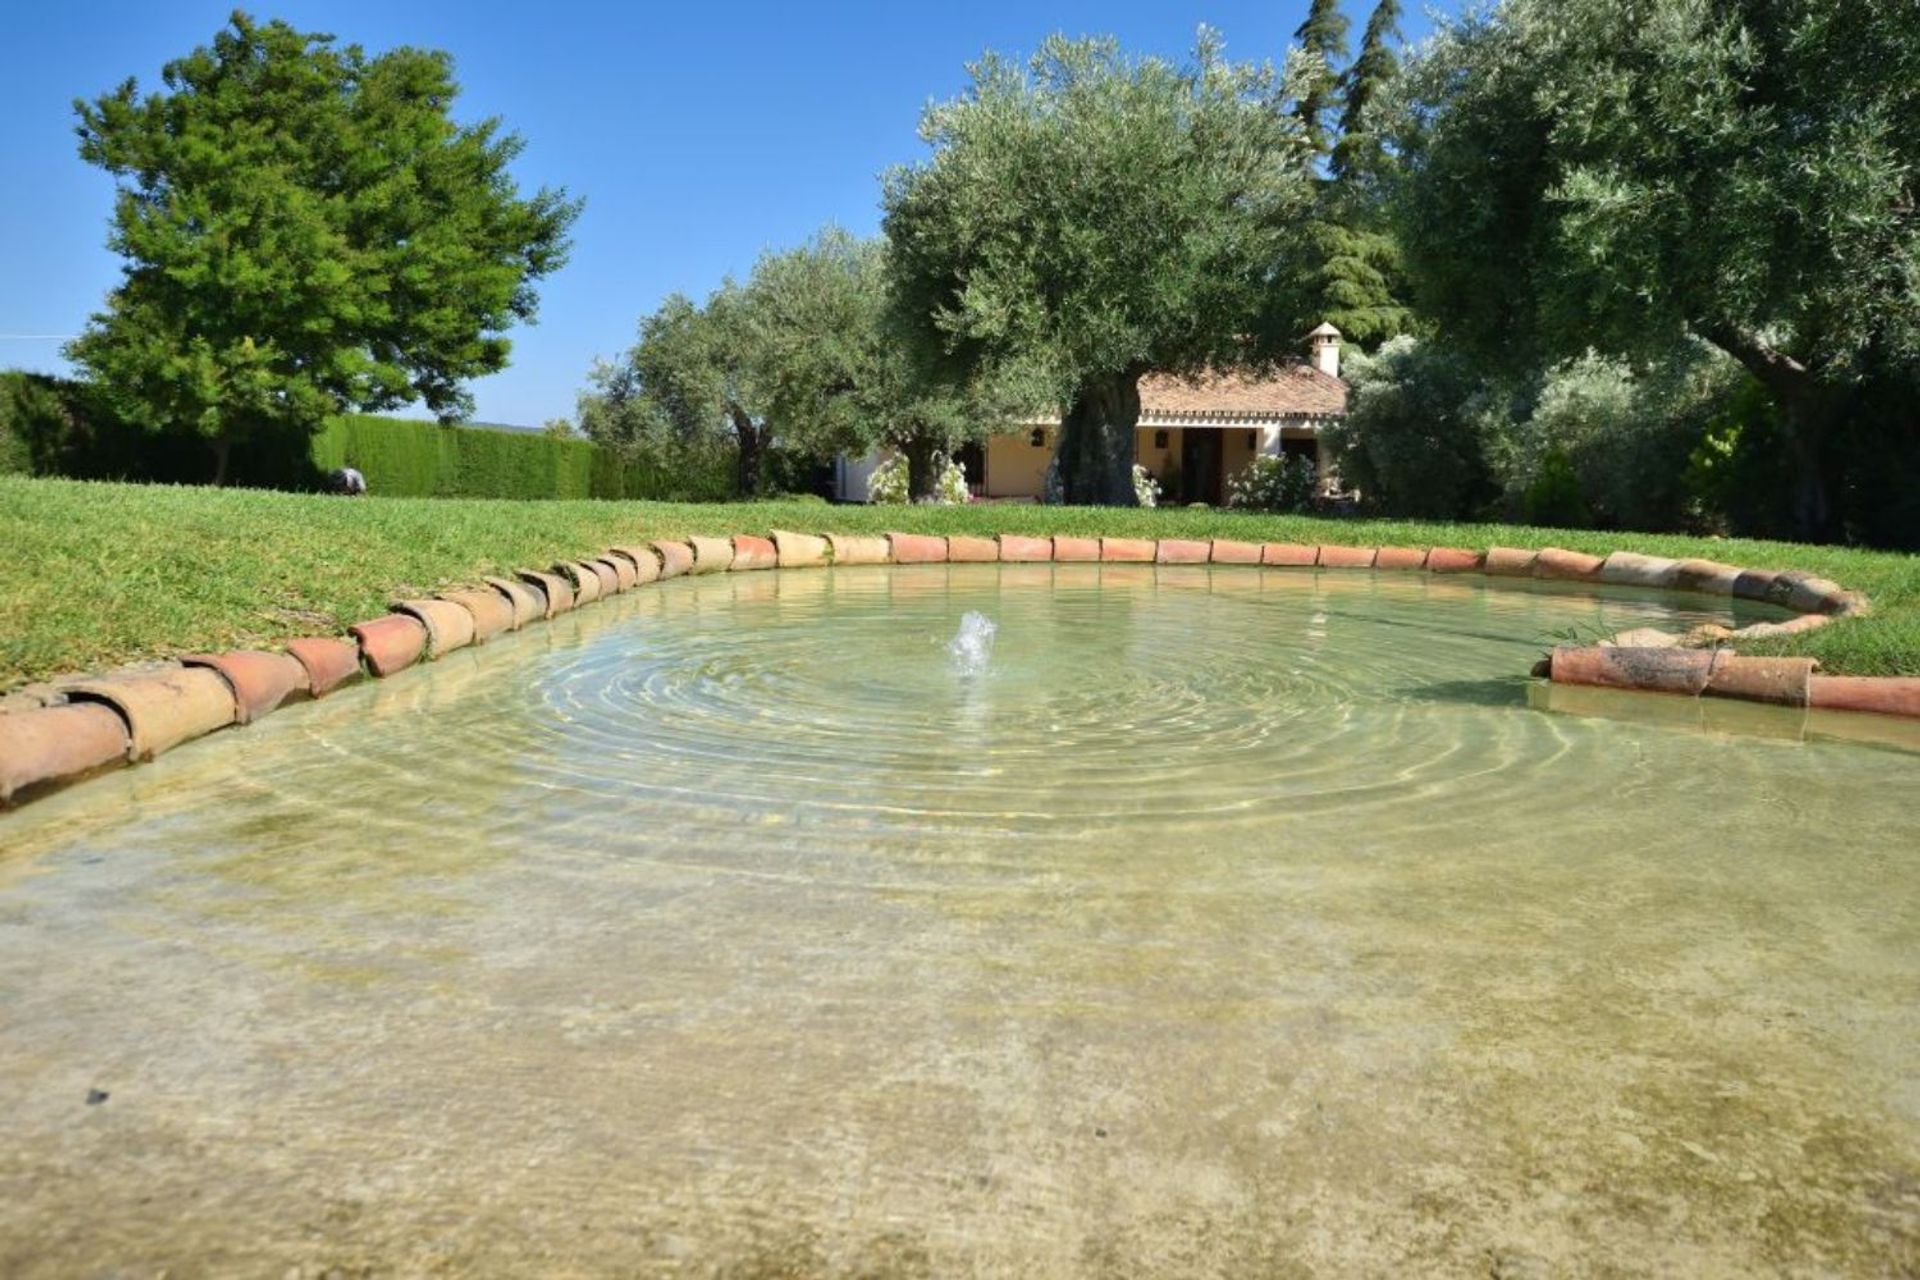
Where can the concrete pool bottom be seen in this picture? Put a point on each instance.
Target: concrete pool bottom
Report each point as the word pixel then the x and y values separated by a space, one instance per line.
pixel 1350 967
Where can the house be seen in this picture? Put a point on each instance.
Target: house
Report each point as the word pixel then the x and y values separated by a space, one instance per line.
pixel 1192 433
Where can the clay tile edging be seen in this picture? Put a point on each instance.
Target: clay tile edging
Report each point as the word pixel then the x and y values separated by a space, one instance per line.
pixel 1076 550
pixel 1781 680
pixel 1018 548
pixel 676 558
pixel 392 643
pixel 449 626
pixel 1663 670
pixel 1453 560
pixel 556 590
pixel 1126 550
pixel 711 555
pixel 917 548
pixel 163 708
pixel 1230 551
pixel 259 681
pixel 491 612
pixel 751 552
pixel 1880 695
pixel 525 603
pixel 625 576
pixel 644 560
pixel 799 550
pixel 963 549
pixel 51 745
pixel 584 581
pixel 1333 557
pixel 1631 569
pixel 610 581
pixel 1706 577
pixel 1754 584
pixel 331 661
pixel 1569 566
pixel 859 549
pixel 1294 555
pixel 1399 558
pixel 1508 562
pixel 1182 551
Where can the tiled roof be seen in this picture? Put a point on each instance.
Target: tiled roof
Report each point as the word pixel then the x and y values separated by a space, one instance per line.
pixel 1289 390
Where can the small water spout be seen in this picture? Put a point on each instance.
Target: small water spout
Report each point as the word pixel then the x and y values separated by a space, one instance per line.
pixel 972 645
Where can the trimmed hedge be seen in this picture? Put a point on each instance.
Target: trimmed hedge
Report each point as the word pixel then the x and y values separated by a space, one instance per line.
pixel 426 460
pixel 49 426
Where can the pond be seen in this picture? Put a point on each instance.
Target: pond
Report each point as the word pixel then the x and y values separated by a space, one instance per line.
pixel 1180 921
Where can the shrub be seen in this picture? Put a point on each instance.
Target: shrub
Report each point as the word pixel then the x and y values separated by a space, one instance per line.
pixel 950 483
pixel 1146 490
pixel 888 484
pixel 1414 441
pixel 1273 483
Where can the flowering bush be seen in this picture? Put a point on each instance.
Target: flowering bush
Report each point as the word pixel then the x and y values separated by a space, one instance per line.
pixel 888 483
pixel 1145 488
pixel 1270 483
pixel 950 486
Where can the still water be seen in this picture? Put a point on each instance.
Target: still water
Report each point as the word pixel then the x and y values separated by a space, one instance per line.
pixel 1210 923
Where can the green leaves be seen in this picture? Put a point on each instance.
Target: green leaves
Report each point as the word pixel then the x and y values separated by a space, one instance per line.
pixel 1094 214
pixel 307 231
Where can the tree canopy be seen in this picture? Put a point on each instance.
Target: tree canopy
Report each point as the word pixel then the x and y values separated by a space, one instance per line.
pixel 808 353
pixel 1089 217
pixel 307 230
pixel 1621 174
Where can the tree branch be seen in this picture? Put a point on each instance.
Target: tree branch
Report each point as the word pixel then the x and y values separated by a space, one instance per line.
pixel 1779 372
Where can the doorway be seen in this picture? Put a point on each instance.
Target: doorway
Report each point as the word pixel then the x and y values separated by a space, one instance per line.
pixel 1200 466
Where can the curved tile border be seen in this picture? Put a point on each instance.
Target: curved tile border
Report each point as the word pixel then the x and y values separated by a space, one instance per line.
pixel 71 729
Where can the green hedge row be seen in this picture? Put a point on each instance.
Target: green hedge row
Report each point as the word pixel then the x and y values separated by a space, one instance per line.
pixel 50 426
pixel 426 460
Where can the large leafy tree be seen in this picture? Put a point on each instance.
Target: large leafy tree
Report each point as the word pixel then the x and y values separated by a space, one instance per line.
pixel 693 374
pixel 808 352
pixel 307 230
pixel 848 370
pixel 1089 217
pixel 1620 174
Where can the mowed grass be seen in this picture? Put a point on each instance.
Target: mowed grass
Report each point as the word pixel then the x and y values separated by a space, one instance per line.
pixel 95 574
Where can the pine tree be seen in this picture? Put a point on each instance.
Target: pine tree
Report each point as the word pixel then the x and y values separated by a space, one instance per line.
pixel 1358 149
pixel 1348 270
pixel 1324 35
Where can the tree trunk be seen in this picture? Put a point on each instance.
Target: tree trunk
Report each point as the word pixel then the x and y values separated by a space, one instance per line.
pixel 752 441
pixel 1808 408
pixel 1095 453
pixel 919 451
pixel 222 455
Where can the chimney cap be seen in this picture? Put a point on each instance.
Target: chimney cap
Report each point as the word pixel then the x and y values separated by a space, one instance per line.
pixel 1325 330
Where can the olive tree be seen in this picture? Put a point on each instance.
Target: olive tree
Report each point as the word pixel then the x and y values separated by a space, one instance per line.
pixel 307 230
pixel 809 351
pixel 1089 217
pixel 1625 174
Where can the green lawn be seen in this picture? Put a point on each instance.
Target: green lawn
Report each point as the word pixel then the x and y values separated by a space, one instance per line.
pixel 96 574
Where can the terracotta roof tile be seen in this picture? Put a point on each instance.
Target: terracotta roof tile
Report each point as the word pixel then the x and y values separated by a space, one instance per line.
pixel 1292 389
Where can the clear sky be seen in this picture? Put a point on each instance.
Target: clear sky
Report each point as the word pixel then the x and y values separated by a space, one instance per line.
pixel 700 132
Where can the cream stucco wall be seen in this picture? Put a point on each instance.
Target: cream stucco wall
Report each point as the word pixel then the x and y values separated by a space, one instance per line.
pixel 1156 460
pixel 1016 468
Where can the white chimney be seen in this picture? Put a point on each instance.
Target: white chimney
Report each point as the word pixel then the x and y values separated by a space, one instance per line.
pixel 1325 349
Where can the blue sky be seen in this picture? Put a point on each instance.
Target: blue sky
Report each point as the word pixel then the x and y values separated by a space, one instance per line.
pixel 699 133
